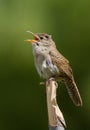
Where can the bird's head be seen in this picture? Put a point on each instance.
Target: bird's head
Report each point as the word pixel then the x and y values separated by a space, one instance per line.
pixel 41 40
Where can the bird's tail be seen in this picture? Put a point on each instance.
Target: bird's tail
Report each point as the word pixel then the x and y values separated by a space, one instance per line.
pixel 73 92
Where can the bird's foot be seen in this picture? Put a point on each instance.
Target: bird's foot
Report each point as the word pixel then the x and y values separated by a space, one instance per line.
pixel 43 83
pixel 48 82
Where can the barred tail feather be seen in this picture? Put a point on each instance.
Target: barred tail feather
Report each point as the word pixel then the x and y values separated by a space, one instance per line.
pixel 74 92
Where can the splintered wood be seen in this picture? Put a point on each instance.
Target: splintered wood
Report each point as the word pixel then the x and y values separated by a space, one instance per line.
pixel 55 116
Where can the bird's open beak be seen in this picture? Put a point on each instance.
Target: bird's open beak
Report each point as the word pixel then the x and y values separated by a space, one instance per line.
pixel 32 40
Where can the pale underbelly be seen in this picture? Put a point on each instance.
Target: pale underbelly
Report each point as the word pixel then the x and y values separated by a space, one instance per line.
pixel 47 71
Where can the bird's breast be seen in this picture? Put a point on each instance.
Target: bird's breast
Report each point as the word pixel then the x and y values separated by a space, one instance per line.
pixel 44 66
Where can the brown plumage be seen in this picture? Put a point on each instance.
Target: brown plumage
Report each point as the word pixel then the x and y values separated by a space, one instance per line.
pixel 66 75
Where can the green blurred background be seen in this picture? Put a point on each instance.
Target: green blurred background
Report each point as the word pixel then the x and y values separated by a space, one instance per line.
pixel 22 99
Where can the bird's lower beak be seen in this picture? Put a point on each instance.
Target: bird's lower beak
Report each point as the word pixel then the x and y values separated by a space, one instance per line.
pixel 32 41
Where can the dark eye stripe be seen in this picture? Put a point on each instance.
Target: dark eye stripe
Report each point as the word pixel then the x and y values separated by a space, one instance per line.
pixel 46 36
pixel 41 38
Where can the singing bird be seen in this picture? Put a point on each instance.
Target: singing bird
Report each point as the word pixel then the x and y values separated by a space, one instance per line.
pixel 50 63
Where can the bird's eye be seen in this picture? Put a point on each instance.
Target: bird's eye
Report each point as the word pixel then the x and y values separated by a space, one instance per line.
pixel 46 36
pixel 37 44
pixel 41 38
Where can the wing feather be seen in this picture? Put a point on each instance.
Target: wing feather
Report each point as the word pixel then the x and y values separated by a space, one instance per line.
pixel 67 75
pixel 62 63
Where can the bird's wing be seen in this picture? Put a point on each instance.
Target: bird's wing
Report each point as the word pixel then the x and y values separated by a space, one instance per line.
pixel 62 63
pixel 66 73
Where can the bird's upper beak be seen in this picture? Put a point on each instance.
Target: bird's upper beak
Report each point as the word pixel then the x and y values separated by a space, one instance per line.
pixel 33 40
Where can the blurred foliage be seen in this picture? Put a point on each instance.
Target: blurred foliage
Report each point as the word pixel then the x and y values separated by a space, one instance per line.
pixel 22 99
